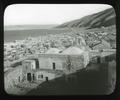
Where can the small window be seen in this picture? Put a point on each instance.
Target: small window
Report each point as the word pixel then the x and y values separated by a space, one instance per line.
pixel 33 76
pixel 53 66
pixel 98 59
pixel 41 76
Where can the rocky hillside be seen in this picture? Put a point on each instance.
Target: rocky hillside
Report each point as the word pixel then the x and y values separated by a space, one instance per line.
pixel 104 18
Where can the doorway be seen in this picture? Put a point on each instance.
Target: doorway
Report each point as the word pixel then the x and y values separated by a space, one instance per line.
pixel 98 60
pixel 37 64
pixel 46 78
pixel 29 78
pixel 33 77
pixel 41 76
pixel 54 66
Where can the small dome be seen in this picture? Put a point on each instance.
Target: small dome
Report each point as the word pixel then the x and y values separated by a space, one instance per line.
pixel 73 50
pixel 53 51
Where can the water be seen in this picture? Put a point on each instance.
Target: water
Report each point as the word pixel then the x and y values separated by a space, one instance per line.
pixel 12 35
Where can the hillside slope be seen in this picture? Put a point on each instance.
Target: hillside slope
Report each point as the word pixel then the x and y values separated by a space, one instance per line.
pixel 104 18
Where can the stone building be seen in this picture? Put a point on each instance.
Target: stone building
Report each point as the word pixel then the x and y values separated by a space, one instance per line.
pixel 50 64
pixel 54 63
pixel 29 68
pixel 76 50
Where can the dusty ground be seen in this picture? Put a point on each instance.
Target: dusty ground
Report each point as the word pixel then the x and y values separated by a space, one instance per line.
pixel 11 84
pixel 22 88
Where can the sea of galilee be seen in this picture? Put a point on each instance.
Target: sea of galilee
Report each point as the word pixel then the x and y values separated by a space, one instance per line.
pixel 69 57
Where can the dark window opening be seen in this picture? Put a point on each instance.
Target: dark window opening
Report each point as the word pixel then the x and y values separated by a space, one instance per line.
pixel 37 64
pixel 53 66
pixel 29 76
pixel 41 76
pixel 98 60
pixel 46 78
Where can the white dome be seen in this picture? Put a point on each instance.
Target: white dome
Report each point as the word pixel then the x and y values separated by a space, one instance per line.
pixel 53 51
pixel 73 50
pixel 77 50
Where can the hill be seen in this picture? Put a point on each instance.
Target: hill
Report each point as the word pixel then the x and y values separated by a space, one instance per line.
pixel 104 18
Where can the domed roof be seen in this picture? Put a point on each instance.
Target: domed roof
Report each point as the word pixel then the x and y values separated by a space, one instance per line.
pixel 73 50
pixel 53 51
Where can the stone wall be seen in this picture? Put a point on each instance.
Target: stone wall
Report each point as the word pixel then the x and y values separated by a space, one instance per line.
pixel 13 78
pixel 41 75
pixel 61 61
pixel 47 63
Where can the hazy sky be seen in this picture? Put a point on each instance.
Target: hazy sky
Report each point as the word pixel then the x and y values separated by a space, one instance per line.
pixel 21 14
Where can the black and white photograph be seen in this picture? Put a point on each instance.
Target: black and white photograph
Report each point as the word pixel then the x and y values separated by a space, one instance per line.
pixel 59 49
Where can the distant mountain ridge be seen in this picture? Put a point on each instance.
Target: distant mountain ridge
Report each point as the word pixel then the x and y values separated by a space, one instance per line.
pixel 104 18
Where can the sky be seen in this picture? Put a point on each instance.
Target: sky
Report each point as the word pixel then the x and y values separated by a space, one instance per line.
pixel 41 14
